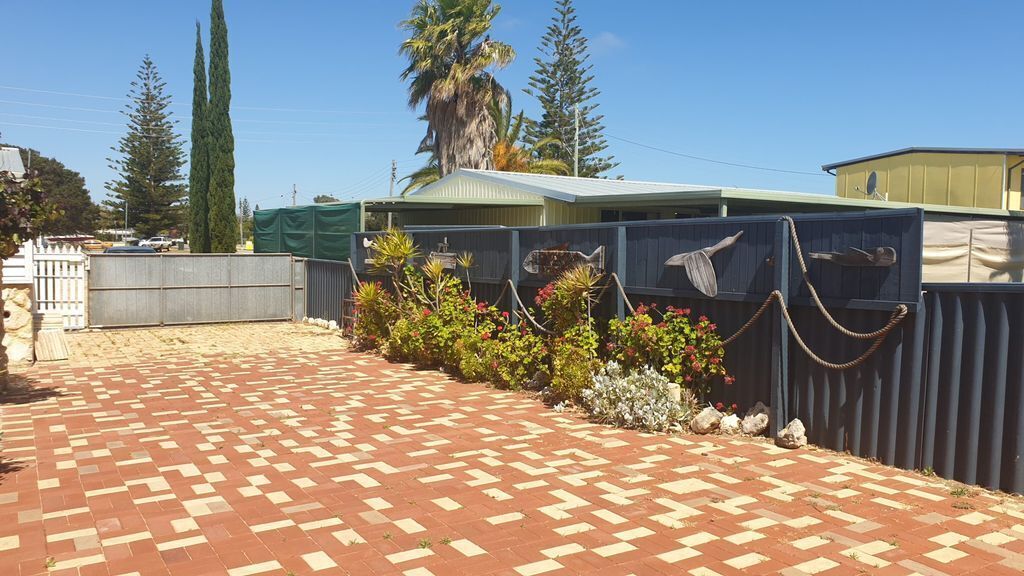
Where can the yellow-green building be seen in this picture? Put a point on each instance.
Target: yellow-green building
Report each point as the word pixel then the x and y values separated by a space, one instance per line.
pixel 986 178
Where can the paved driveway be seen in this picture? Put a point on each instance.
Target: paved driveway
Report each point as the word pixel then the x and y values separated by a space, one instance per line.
pixel 282 452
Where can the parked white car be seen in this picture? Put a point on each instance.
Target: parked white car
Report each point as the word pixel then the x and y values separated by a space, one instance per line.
pixel 158 243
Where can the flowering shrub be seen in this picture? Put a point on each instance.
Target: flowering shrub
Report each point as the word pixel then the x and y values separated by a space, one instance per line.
pixel 638 399
pixel 503 353
pixel 375 313
pixel 566 301
pixel 686 352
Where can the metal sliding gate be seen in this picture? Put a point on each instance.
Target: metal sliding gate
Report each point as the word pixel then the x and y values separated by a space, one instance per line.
pixel 163 289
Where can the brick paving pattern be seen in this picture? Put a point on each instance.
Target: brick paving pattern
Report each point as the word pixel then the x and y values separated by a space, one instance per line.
pixel 283 452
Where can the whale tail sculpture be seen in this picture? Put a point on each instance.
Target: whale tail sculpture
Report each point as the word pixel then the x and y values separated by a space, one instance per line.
pixel 699 268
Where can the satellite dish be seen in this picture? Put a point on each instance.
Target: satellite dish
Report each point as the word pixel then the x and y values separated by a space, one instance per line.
pixel 872 183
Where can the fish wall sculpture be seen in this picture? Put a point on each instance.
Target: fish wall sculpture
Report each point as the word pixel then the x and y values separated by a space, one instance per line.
pixel 553 261
pixel 881 256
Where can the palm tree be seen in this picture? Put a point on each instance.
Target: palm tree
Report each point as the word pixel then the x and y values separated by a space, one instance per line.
pixel 509 153
pixel 450 55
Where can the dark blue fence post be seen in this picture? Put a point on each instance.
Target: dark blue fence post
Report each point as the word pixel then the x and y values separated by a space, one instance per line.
pixel 514 261
pixel 620 271
pixel 780 331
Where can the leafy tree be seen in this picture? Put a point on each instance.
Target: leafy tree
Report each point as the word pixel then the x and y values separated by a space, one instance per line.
pixel 450 58
pixel 245 213
pixel 199 167
pixel 24 213
pixel 223 222
pixel 561 83
pixel 323 199
pixel 150 159
pixel 65 188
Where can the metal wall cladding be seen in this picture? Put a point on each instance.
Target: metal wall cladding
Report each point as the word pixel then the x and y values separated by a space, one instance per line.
pixel 973 390
pixel 328 284
pixel 147 290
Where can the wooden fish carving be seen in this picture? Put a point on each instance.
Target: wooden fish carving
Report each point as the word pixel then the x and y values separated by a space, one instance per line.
pixel 880 256
pixel 552 262
pixel 698 265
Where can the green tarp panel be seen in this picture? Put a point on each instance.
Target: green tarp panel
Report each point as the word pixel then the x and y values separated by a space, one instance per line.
pixel 318 231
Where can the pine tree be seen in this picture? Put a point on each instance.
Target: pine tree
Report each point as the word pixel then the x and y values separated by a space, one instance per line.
pixel 150 159
pixel 223 221
pixel 199 168
pixel 561 83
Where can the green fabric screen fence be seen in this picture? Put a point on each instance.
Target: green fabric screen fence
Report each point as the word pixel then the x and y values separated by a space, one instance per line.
pixel 318 231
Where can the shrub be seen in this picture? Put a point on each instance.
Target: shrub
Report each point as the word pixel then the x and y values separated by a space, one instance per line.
pixel 391 253
pixel 503 353
pixel 375 313
pixel 638 400
pixel 573 361
pixel 686 352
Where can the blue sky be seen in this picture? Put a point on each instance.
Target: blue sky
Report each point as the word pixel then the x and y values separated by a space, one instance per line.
pixel 317 99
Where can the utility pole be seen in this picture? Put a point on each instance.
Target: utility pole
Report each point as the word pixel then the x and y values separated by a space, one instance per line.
pixel 391 190
pixel 295 193
pixel 576 147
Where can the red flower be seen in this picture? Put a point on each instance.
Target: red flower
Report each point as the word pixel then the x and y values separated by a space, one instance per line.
pixel 494 365
pixel 415 333
pixel 703 318
pixel 500 327
pixel 696 367
pixel 719 406
pixel 734 407
pixel 689 378
pixel 630 351
pixel 426 312
pixel 712 326
pixel 654 304
pixel 610 346
pixel 693 358
pixel 505 314
pixel 729 379
pixel 662 325
pixel 485 336
pixel 670 308
pixel 716 360
pixel 686 311
pixel 691 348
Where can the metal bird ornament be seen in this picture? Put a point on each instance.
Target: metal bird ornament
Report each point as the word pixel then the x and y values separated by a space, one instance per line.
pixel 880 256
pixel 557 259
pixel 368 244
pixel 698 265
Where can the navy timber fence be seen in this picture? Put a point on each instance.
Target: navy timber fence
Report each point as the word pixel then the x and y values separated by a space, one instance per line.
pixel 945 390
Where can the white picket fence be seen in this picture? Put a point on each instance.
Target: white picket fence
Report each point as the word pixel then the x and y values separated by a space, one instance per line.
pixel 58 276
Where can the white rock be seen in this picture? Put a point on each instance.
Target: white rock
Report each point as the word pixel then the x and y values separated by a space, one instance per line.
pixel 730 424
pixel 755 421
pixel 305 319
pixel 794 435
pixel 707 421
pixel 675 392
pixel 333 325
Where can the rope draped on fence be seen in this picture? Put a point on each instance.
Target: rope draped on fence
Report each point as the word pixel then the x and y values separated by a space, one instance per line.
pixel 898 314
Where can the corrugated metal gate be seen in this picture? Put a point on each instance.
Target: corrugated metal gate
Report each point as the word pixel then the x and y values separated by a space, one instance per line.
pixel 162 289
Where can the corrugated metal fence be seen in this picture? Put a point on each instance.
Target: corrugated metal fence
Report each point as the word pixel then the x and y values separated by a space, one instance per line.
pixel 163 289
pixel 945 391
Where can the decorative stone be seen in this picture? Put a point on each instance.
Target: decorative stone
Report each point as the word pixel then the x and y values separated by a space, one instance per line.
pixel 707 421
pixel 755 421
pixel 333 325
pixel 730 424
pixel 305 319
pixel 794 435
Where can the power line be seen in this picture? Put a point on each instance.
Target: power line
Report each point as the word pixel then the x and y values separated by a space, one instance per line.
pixel 258 108
pixel 713 161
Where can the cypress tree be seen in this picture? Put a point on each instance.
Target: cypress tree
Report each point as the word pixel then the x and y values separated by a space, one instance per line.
pixel 560 83
pixel 150 160
pixel 199 171
pixel 223 221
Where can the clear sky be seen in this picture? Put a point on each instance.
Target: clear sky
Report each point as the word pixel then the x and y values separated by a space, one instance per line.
pixel 317 99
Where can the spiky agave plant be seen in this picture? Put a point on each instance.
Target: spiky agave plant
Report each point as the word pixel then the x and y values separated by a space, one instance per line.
pixel 465 261
pixel 390 254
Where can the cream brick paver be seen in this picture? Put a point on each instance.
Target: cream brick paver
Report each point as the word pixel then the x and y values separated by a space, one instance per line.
pixel 273 448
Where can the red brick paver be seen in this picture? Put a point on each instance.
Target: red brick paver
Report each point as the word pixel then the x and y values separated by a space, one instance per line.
pixel 304 460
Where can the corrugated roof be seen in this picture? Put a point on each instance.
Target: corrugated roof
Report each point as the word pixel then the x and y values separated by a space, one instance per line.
pixel 10 161
pixel 912 150
pixel 565 188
